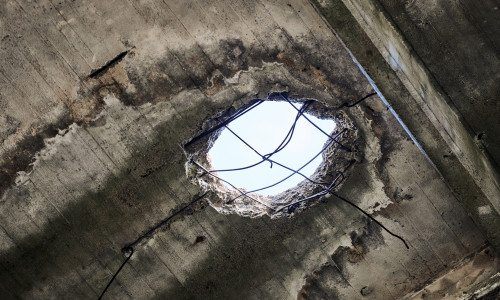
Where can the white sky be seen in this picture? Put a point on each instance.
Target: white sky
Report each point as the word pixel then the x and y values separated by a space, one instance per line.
pixel 264 128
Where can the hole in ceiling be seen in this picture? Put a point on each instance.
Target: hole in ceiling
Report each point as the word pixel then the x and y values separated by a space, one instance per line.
pixel 309 146
pixel 265 128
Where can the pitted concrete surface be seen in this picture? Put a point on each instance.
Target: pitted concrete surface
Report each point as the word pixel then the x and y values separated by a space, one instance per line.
pixel 98 99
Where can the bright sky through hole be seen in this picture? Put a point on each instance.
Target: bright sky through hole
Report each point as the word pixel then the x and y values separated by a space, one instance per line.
pixel 264 128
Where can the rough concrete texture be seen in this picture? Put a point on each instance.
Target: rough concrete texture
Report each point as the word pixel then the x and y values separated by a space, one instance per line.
pixel 384 52
pixel 338 155
pixel 481 280
pixel 97 100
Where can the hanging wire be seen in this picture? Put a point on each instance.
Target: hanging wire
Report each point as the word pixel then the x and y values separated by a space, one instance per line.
pixel 283 166
pixel 130 250
pixel 280 147
pixel 227 121
pixel 326 190
pixel 242 193
pixel 317 127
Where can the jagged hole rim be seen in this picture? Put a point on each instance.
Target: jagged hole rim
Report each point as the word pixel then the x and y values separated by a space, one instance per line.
pixel 334 159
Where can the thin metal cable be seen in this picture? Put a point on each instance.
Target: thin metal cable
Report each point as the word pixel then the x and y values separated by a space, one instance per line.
pixel 326 190
pixel 283 144
pixel 335 109
pixel 333 185
pixel 147 234
pixel 302 200
pixel 369 216
pixel 280 147
pixel 293 171
pixel 357 102
pixel 242 193
pixel 227 121
pixel 317 127
pixel 336 182
pixel 117 272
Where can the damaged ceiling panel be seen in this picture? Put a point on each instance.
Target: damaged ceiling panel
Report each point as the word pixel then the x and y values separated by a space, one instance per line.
pixel 98 100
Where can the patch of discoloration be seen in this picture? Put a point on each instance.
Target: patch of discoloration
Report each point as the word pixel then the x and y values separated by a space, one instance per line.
pixel 484 210
pixel 81 111
pixel 325 282
pixel 21 158
pixel 389 139
pixel 370 238
pixel 8 125
pixel 352 254
pixel 320 284
pixel 314 71
pixel 462 279
pixel 399 195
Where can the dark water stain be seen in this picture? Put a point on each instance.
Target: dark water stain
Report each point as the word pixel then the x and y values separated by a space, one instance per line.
pixel 125 202
pixel 182 70
pixel 20 158
pixel 122 206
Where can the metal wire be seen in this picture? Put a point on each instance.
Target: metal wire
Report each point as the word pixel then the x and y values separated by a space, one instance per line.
pixel 317 127
pixel 326 190
pixel 131 252
pixel 242 193
pixel 267 157
pixel 283 166
pixel 280 147
pixel 227 121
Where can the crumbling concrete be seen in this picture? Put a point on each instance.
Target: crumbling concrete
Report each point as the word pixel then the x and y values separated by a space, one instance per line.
pixel 110 168
pixel 375 37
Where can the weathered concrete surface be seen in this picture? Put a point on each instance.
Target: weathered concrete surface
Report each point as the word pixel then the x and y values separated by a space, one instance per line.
pixel 480 268
pixel 451 122
pixel 116 168
pixel 389 58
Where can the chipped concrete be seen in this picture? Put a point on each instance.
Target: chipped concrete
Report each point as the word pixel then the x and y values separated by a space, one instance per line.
pixel 447 111
pixel 464 279
pixel 337 160
pixel 98 100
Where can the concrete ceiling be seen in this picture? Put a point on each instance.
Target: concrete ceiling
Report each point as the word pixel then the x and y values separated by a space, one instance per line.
pixel 97 99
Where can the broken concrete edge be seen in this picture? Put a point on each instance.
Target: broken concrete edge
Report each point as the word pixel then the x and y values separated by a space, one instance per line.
pixel 336 162
pixel 487 291
pixel 426 91
pixel 122 77
pixel 472 192
pixel 474 274
pixel 20 160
